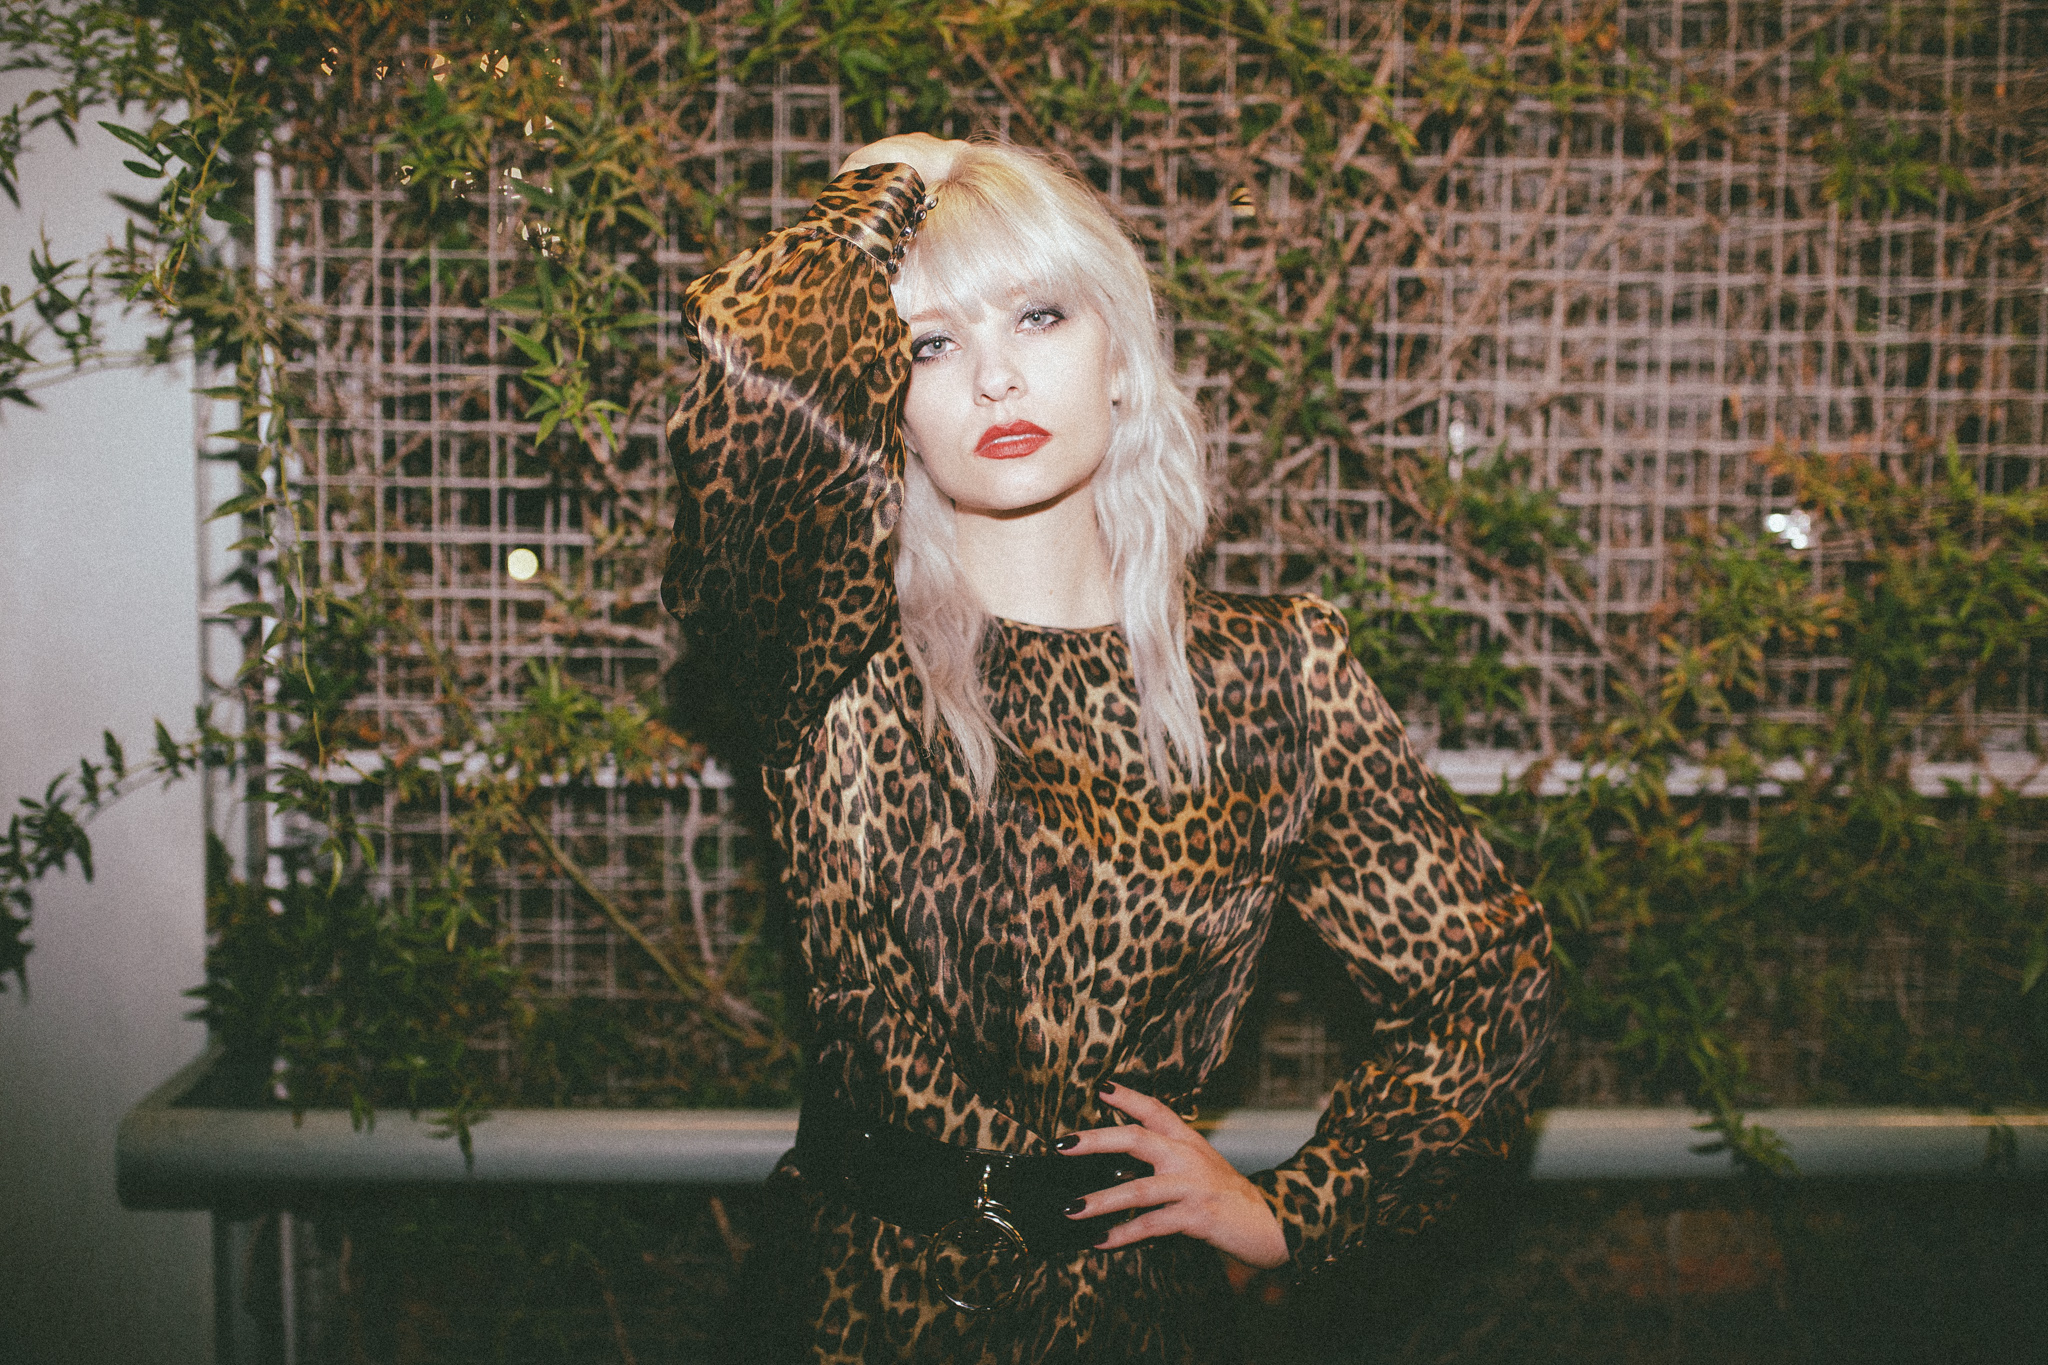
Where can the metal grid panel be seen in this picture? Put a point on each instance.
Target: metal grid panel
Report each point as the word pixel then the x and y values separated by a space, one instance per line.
pixel 1637 330
pixel 425 467
pixel 425 462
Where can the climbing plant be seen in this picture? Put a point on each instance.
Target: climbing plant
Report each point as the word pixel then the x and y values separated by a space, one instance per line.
pixel 1741 749
pixel 1758 801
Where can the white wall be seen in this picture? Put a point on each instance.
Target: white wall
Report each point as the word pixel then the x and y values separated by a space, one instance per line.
pixel 98 611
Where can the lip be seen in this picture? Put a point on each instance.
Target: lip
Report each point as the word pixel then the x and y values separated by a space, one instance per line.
pixel 1011 441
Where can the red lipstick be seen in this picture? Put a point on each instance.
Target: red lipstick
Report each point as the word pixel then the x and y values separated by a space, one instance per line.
pixel 1011 440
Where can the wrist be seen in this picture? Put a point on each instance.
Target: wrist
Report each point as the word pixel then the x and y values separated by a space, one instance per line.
pixel 1267 1247
pixel 875 208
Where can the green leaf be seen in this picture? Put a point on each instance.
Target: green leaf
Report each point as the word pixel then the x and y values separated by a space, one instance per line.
pixel 245 502
pixel 524 300
pixel 141 142
pixel 539 195
pixel 167 750
pixel 529 345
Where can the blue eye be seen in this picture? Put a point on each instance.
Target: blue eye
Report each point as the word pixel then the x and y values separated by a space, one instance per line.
pixel 1039 319
pixel 929 347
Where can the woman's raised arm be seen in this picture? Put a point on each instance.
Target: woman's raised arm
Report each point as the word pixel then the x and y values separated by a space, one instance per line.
pixel 789 456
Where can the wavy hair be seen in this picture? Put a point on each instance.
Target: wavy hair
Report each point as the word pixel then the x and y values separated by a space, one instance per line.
pixel 1008 220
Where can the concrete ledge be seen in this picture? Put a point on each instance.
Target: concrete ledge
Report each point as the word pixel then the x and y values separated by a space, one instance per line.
pixel 1841 1144
pixel 172 1155
pixel 1482 772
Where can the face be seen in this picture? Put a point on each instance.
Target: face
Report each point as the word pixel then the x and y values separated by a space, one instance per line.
pixel 1010 408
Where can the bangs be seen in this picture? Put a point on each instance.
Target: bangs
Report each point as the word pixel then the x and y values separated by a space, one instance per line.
pixel 985 242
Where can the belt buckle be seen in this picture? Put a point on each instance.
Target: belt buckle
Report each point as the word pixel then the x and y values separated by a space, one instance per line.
pixel 977 1262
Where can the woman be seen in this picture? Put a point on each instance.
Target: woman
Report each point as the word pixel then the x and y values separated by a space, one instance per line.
pixel 1039 793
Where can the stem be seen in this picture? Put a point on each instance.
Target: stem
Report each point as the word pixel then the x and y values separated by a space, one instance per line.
pixel 732 1017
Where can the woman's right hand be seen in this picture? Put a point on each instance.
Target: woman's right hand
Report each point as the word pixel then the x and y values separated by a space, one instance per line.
pixel 932 158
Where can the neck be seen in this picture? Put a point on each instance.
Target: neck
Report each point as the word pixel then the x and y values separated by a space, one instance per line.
pixel 1044 566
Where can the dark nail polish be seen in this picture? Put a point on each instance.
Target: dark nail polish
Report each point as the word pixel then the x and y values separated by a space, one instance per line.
pixel 1106 1088
pixel 1067 1143
pixel 1074 1206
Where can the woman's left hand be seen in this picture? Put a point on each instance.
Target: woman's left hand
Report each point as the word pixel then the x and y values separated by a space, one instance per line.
pixel 1192 1189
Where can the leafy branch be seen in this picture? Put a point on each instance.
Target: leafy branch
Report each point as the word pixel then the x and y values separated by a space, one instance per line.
pixel 48 834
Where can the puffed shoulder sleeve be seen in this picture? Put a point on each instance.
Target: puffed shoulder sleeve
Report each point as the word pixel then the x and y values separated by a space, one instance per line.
pixel 1452 956
pixel 789 456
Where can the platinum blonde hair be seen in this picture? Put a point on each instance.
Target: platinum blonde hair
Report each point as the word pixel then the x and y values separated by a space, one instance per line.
pixel 1007 221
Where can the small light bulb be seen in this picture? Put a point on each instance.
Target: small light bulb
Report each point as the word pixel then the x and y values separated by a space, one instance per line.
pixel 522 564
pixel 1776 523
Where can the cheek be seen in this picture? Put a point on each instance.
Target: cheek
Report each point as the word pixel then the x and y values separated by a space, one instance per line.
pixel 1082 377
pixel 1097 388
pixel 924 412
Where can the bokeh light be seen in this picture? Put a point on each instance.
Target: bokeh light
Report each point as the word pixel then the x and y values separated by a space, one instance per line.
pixel 522 564
pixel 1795 528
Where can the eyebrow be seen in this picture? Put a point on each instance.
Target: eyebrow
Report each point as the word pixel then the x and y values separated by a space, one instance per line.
pixel 1018 298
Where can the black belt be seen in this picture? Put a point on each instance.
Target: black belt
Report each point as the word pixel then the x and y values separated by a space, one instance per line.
pixel 986 1213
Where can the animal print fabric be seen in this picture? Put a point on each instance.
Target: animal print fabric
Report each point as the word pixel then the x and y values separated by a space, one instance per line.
pixel 975 972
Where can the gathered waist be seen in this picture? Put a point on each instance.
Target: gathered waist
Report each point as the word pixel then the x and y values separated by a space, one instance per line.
pixel 924 1185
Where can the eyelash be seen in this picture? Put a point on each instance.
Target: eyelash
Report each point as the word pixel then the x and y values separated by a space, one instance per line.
pixel 919 355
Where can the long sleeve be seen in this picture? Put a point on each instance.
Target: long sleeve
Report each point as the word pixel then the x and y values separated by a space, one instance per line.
pixel 789 456
pixel 1451 955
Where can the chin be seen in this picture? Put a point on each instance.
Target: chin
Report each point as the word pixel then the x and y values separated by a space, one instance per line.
pixel 1016 499
pixel 1008 487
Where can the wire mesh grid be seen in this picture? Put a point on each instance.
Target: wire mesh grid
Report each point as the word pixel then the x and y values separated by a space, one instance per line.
pixel 1635 325
pixel 425 467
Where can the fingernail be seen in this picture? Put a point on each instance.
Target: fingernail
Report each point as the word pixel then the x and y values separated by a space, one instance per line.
pixel 1067 1143
pixel 1106 1088
pixel 1074 1206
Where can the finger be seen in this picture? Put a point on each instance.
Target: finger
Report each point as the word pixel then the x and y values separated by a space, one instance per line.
pixel 1157 1223
pixel 1143 1193
pixel 1142 1143
pixel 903 149
pixel 1156 1116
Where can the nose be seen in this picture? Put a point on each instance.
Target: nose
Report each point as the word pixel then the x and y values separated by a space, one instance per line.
pixel 996 375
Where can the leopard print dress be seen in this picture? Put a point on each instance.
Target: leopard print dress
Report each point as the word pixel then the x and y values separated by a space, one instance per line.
pixel 974 972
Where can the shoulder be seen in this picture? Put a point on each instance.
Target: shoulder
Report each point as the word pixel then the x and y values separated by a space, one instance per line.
pixel 1302 624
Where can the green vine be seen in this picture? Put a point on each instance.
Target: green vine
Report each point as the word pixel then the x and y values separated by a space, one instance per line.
pixel 1709 841
pixel 1285 224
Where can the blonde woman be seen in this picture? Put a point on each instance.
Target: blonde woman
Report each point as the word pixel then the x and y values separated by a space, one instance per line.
pixel 1040 794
